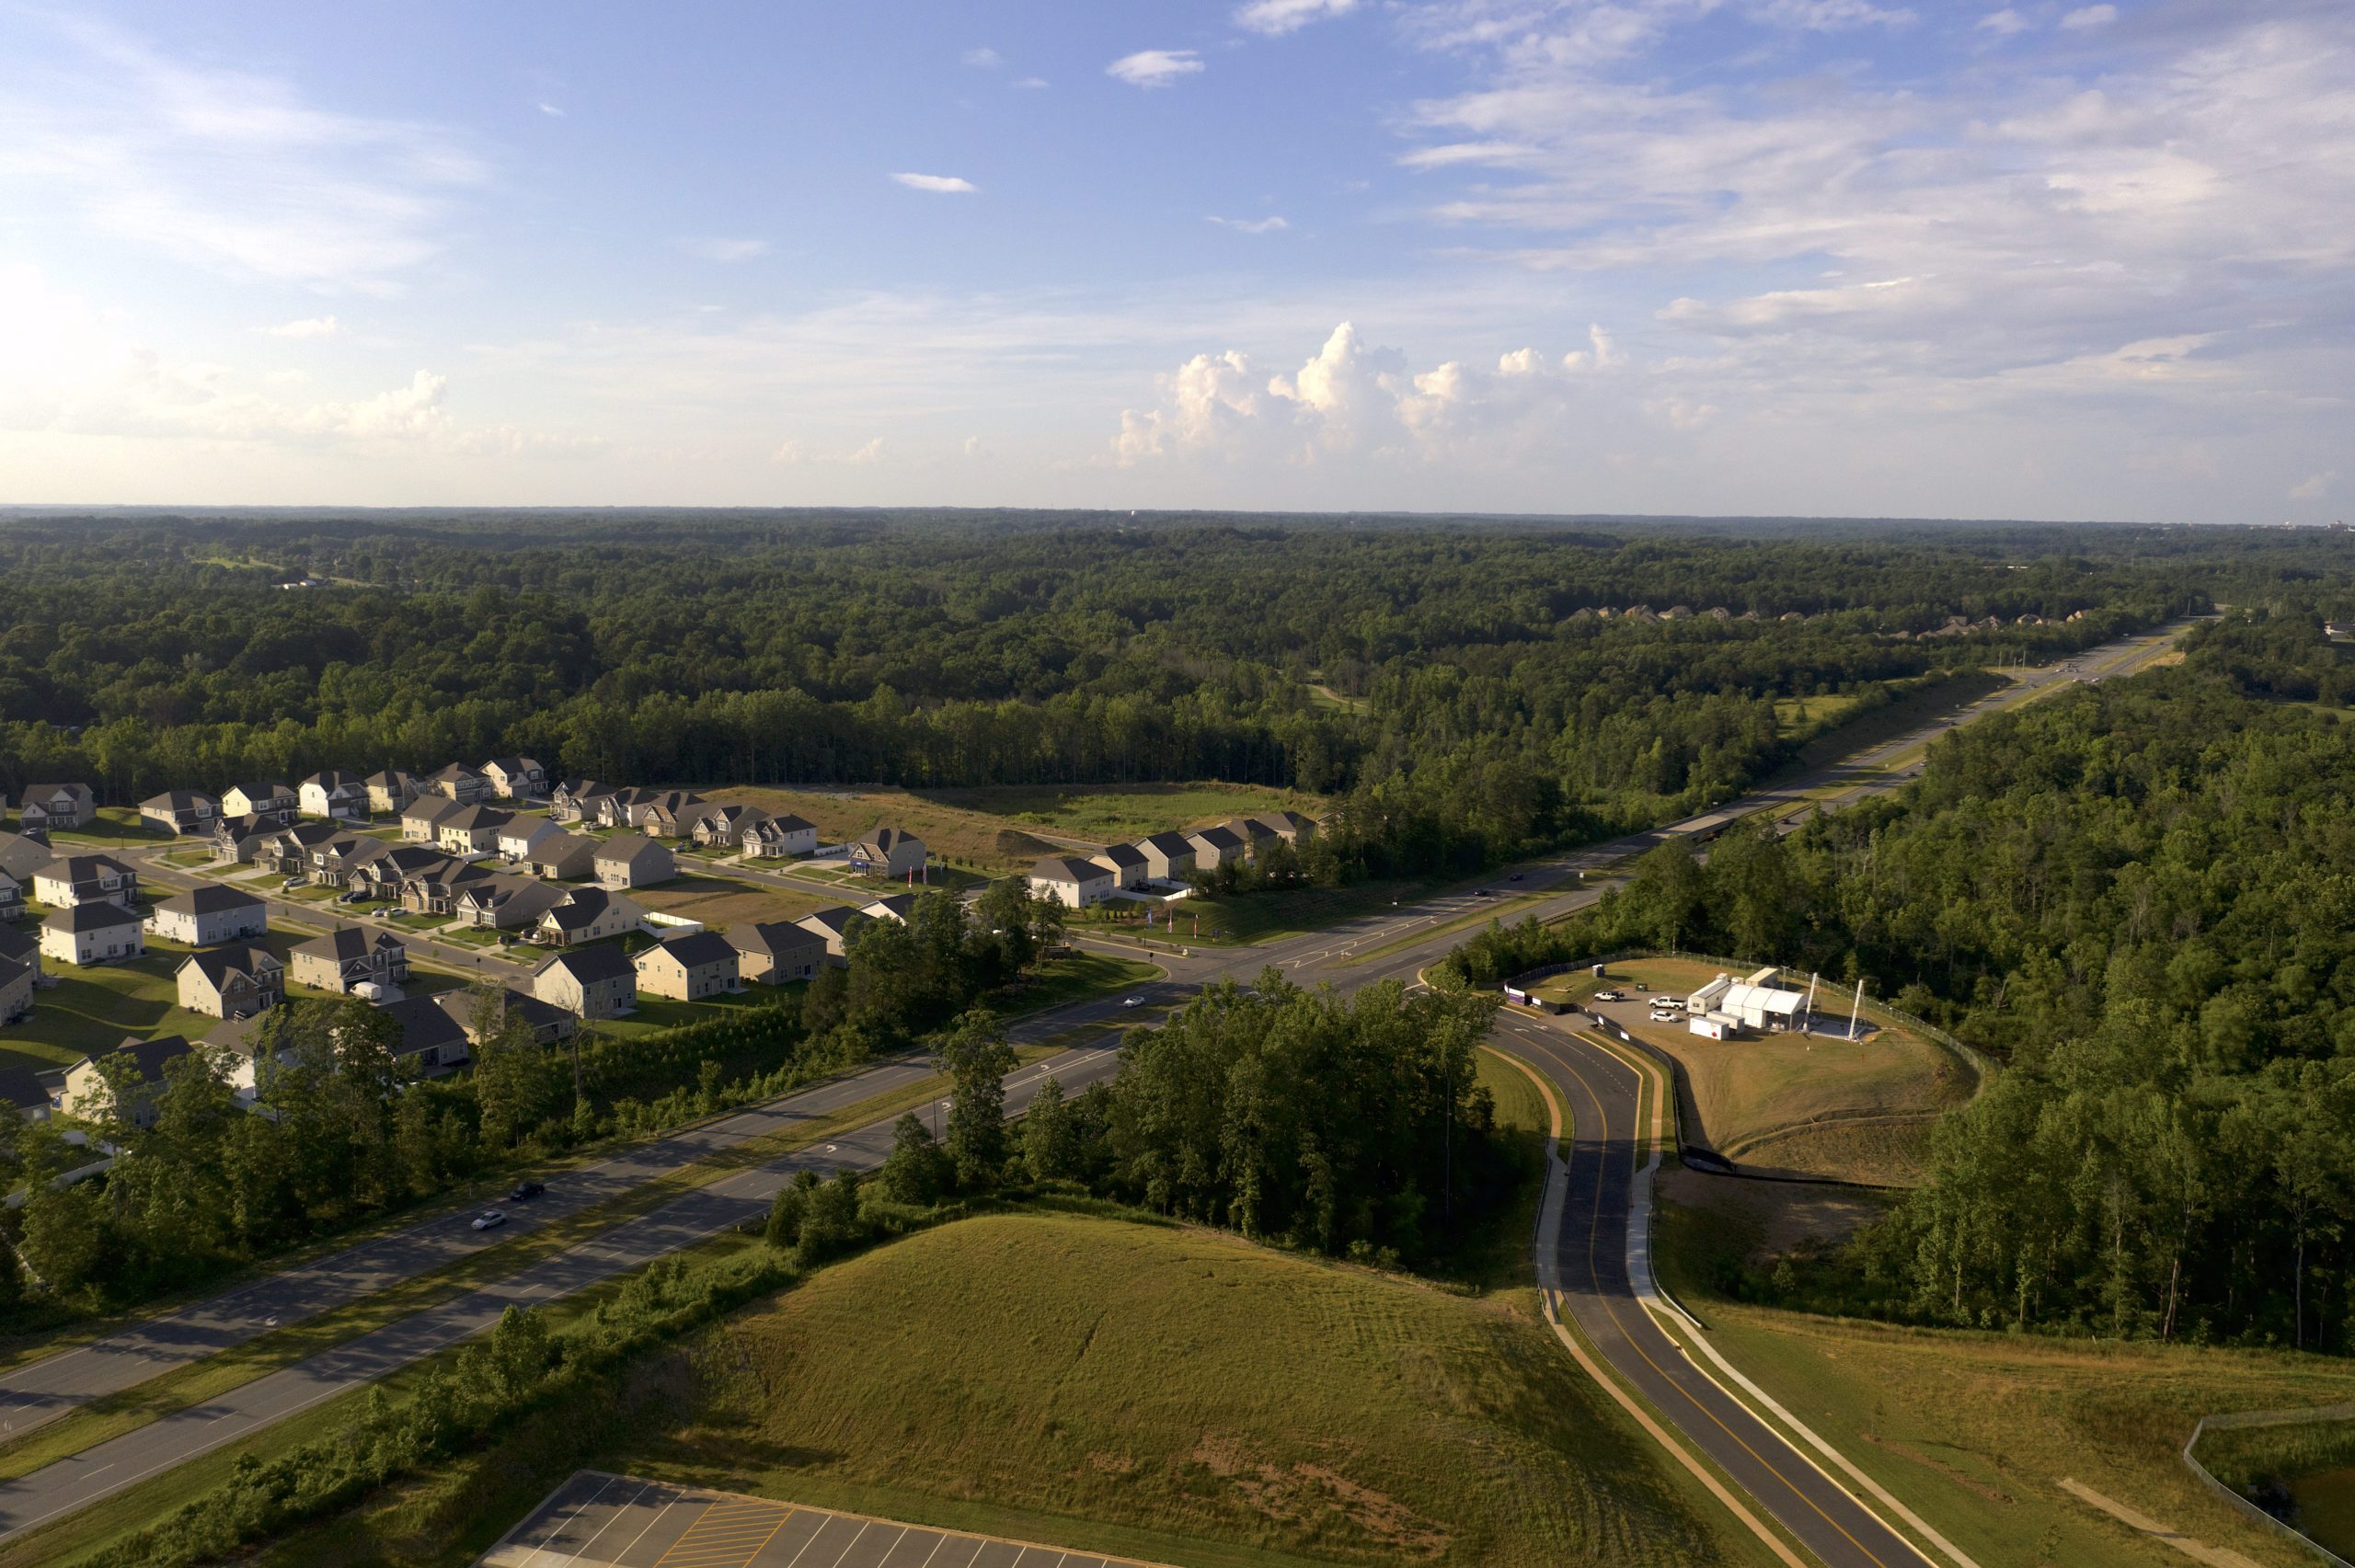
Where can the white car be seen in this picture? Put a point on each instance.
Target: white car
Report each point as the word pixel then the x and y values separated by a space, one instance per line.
pixel 1132 1001
pixel 489 1220
pixel 1609 996
pixel 1666 1014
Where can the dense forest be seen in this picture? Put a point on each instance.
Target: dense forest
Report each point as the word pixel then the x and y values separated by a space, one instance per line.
pixel 2141 896
pixel 1450 685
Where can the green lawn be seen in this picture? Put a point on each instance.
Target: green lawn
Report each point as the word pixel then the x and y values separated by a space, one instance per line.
pixel 1062 980
pixel 1249 916
pixel 1976 1431
pixel 116 826
pixel 1181 1395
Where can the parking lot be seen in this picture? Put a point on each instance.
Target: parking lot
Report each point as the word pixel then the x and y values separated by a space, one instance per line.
pixel 596 1520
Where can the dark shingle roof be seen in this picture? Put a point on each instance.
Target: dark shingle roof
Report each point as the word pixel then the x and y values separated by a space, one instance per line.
pixel 602 961
pixel 697 948
pixel 97 914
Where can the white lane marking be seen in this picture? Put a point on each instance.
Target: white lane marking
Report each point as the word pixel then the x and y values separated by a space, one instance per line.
pixel 854 1541
pixel 577 1510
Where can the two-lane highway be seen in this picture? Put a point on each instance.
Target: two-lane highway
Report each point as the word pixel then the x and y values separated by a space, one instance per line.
pixel 1584 1257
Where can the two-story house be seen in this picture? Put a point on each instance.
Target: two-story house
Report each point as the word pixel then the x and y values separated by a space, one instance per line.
pixel 273 800
pixel 471 830
pixel 231 982
pixel 632 862
pixel 179 811
pixel 49 807
pixel 95 933
pixel 885 852
pixel 588 915
pixel 575 800
pixel 203 916
pixel 777 952
pixel 348 957
pixel 778 838
pixel 462 784
pixel 137 1064
pixel 392 790
pixel 589 982
pixel 334 795
pixel 86 878
pixel 516 778
pixel 688 968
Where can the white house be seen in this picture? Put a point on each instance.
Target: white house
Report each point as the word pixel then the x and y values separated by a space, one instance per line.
pixel 518 838
pixel 95 933
pixel 203 916
pixel 334 795
pixel 85 878
pixel 1072 882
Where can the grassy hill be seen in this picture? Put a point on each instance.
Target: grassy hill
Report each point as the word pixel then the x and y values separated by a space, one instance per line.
pixel 1177 1396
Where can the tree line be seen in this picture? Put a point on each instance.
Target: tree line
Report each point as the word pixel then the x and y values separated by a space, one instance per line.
pixel 2137 896
pixel 1439 681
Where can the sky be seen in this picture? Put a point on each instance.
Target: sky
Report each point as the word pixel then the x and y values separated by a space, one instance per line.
pixel 1688 256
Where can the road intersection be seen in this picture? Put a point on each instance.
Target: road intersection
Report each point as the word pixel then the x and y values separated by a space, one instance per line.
pixel 1579 1242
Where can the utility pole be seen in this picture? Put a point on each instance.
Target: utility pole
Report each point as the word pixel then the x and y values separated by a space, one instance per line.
pixel 1856 1013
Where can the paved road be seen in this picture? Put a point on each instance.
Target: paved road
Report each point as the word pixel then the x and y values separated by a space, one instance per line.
pixel 1583 1256
pixel 1339 954
pixel 107 1467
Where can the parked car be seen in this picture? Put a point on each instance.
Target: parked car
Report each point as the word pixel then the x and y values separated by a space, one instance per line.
pixel 354 897
pixel 290 884
pixel 1514 877
pixel 1666 1014
pixel 1609 996
pixel 489 1220
pixel 1132 1001
pixel 524 1192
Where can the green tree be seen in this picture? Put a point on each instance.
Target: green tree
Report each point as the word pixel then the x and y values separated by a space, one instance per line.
pixel 1050 1136
pixel 978 1059
pixel 916 1171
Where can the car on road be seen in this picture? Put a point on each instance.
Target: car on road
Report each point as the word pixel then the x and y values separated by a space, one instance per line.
pixel 524 1192
pixel 1132 1001
pixel 1483 893
pixel 1514 877
pixel 489 1220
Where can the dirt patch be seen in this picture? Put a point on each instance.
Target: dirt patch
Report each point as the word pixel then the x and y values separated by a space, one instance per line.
pixel 1778 1215
pixel 722 901
pixel 1315 1496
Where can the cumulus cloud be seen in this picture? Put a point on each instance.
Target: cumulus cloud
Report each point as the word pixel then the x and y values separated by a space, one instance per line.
pixel 939 184
pixel 309 326
pixel 1251 225
pixel 713 249
pixel 1361 399
pixel 1276 17
pixel 1154 67
pixel 2090 16
pixel 2004 23
pixel 2314 486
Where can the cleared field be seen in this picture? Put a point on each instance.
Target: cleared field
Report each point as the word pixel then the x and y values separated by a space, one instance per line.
pixel 1800 1103
pixel 1109 812
pixel 1801 715
pixel 1977 1431
pixel 723 901
pixel 1134 1388
pixel 962 834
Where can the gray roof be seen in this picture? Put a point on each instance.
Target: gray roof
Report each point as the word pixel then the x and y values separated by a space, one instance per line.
pixel 21 856
pixel 347 942
pixel 773 937
pixel 424 1022
pixel 631 849
pixel 468 818
pixel 1124 855
pixel 598 961
pixel 149 1055
pixel 1067 868
pixel 217 964
pixel 15 944
pixel 97 914
pixel 580 906
pixel 210 901
pixel 1167 843
pixel 431 808
pixel 696 948
pixel 22 1087
pixel 176 800
pixel 1218 837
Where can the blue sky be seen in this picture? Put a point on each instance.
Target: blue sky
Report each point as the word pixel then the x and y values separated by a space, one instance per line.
pixel 1669 255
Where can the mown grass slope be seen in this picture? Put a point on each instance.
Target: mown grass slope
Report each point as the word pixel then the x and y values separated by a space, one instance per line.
pixel 1057 1373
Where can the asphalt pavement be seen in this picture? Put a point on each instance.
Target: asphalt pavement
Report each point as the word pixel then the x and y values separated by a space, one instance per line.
pixel 1396 945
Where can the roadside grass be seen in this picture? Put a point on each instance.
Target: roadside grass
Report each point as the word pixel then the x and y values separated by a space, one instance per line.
pixel 1504 910
pixel 1784 1101
pixel 1794 716
pixel 1880 726
pixel 191 1384
pixel 722 901
pixel 117 826
pixel 657 1013
pixel 1080 978
pixel 1975 1431
pixel 1063 1377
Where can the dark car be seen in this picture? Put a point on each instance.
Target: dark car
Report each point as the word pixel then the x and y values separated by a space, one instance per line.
pixel 526 1191
pixel 1514 877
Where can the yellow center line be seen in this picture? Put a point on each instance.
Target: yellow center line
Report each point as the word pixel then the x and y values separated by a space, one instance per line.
pixel 1610 1310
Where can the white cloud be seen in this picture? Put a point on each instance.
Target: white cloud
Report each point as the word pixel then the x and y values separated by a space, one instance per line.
pixel 1031 84
pixel 309 326
pixel 1276 17
pixel 793 454
pixel 2005 23
pixel 1449 153
pixel 2090 16
pixel 940 184
pixel 974 447
pixel 713 249
pixel 1154 67
pixel 231 171
pixel 984 59
pixel 1251 225
pixel 550 111
pixel 2314 486
pixel 1830 16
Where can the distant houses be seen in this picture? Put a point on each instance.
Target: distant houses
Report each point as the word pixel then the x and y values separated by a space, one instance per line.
pixel 592 983
pixel 885 852
pixel 182 811
pixel 334 795
pixel 1070 881
pixel 345 959
pixel 48 807
pixel 239 981
pixel 688 968
pixel 627 861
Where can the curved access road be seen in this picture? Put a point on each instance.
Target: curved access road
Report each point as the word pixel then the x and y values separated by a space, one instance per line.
pixel 1593 1255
